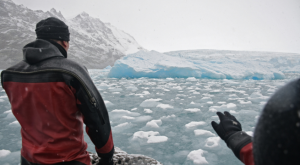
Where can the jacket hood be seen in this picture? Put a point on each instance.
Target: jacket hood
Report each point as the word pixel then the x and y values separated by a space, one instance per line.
pixel 40 50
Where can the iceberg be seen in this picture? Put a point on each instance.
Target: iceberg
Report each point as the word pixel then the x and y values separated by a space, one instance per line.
pixel 200 64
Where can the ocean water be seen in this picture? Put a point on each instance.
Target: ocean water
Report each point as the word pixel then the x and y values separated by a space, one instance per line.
pixel 167 119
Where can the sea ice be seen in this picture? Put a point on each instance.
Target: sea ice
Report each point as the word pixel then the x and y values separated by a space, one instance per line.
pixel 142 119
pixel 121 125
pixel 15 123
pixel 144 135
pixel 150 103
pixel 199 132
pixel 164 106
pixel 212 142
pixel 191 79
pixel 133 109
pixel 148 111
pixel 197 157
pixel 108 103
pixel 157 139
pixel 150 136
pixel 4 153
pixel 128 117
pixel 154 123
pixel 231 106
pixel 193 110
pixel 121 112
pixel 194 124
pixel 245 102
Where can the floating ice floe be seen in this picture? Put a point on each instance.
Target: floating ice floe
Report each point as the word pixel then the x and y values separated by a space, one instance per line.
pixel 199 132
pixel 108 103
pixel 128 117
pixel 148 111
pixel 133 109
pixel 150 103
pixel 193 110
pixel 121 125
pixel 122 112
pixel 212 142
pixel 10 115
pixel 4 153
pixel 194 124
pixel 231 106
pixel 164 106
pixel 143 93
pixel 154 123
pixel 150 136
pixel 257 97
pixel 245 102
pixel 157 139
pixel 142 119
pixel 15 123
pixel 131 87
pixel 197 157
pixel 191 79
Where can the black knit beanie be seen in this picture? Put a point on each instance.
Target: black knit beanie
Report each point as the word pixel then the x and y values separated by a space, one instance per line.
pixel 52 28
pixel 277 133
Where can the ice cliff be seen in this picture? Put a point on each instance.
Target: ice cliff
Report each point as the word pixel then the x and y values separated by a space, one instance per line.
pixel 211 64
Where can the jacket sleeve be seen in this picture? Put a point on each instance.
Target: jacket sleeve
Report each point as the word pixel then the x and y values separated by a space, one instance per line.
pixel 246 155
pixel 99 133
pixel 241 145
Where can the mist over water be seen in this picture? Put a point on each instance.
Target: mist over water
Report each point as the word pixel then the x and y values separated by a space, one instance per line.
pixel 167 119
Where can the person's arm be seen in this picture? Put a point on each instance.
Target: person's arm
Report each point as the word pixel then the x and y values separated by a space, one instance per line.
pixel 100 134
pixel 230 130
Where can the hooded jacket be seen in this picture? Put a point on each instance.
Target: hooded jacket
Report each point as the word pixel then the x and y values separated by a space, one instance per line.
pixel 51 96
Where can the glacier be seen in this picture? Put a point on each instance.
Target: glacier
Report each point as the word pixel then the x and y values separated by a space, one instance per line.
pixel 210 64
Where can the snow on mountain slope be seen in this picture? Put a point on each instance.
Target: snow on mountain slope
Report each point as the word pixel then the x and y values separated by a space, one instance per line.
pixel 93 43
pixel 211 64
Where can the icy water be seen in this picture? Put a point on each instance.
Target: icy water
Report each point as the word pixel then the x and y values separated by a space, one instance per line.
pixel 167 119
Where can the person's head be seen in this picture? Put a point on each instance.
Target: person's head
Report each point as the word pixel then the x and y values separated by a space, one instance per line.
pixel 277 133
pixel 54 29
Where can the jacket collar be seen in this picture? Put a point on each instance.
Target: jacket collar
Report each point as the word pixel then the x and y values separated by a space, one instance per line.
pixel 40 50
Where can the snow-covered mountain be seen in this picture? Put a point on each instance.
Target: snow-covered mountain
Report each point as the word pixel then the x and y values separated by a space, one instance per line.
pixel 93 43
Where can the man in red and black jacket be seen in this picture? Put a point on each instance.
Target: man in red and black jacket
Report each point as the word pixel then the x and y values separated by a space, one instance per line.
pixel 51 96
pixel 276 139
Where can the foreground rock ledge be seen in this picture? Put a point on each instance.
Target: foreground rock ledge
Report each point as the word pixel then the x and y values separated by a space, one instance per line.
pixel 122 158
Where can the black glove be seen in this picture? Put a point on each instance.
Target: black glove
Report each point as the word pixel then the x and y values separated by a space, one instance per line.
pixel 230 130
pixel 228 125
pixel 106 161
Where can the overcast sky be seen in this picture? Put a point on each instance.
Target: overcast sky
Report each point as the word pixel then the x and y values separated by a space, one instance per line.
pixel 167 25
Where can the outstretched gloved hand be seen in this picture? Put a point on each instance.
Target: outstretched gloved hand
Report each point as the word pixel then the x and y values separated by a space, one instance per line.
pixel 230 130
pixel 228 125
